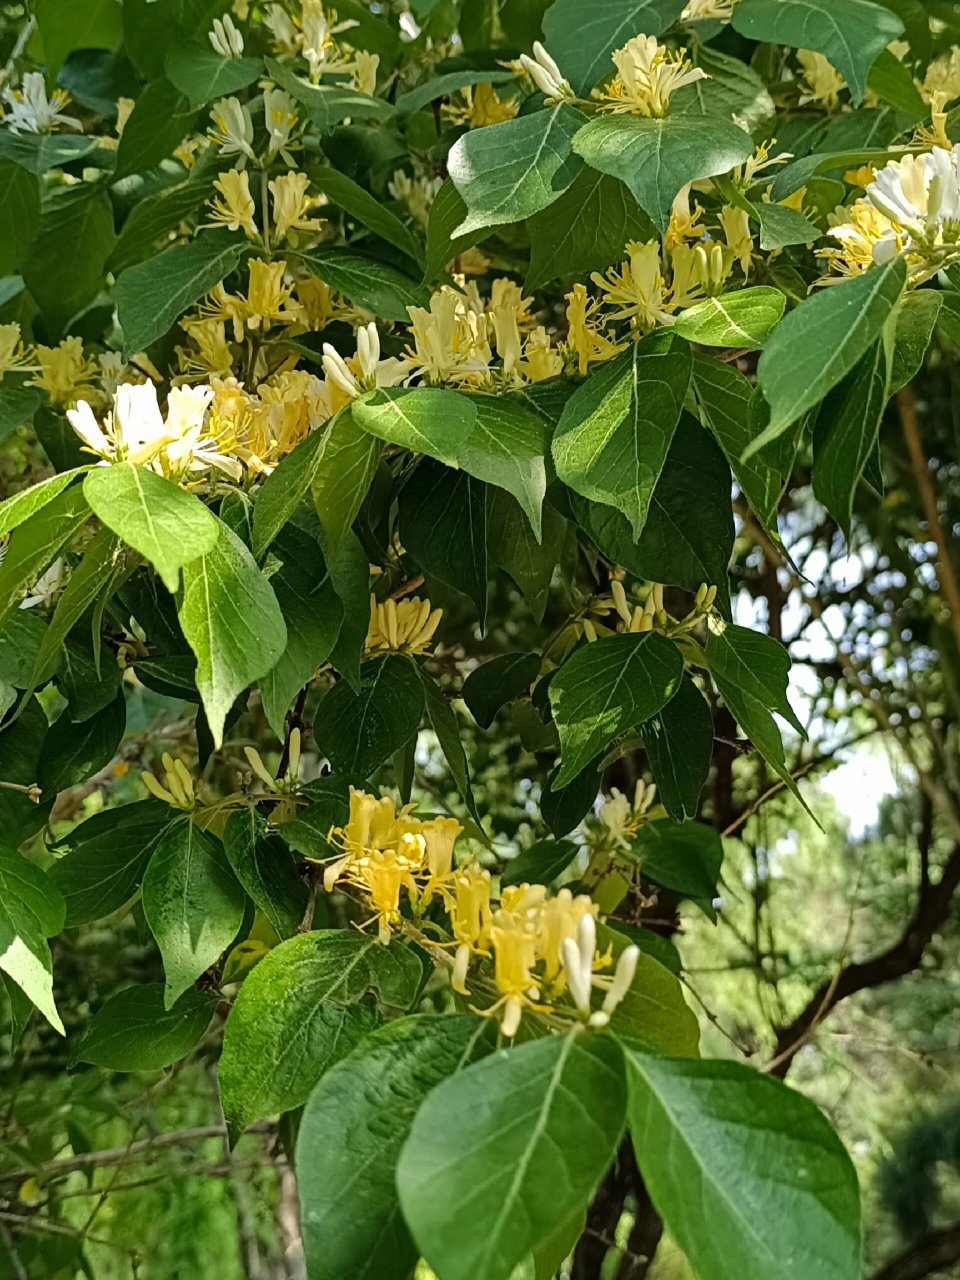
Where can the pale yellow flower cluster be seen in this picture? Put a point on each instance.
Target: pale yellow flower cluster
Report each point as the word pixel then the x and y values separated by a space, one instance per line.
pixel 638 618
pixel 647 292
pixel 478 106
pixel 65 373
pixel 401 626
pixel 648 74
pixel 821 83
pixel 176 788
pixel 309 36
pixel 234 208
pixel 542 948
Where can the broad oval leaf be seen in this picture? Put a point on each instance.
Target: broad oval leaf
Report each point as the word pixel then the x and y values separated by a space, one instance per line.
pixel 498 681
pixel 428 420
pixel 615 430
pixel 678 741
pixel 31 910
pixel 304 1007
pixel 135 1031
pixel 37 542
pixel 357 731
pixel 359 1117
pixel 606 688
pixel 368 282
pixel 266 869
pixel 443 519
pixel 519 1142
pixel 748 1176
pixel 506 448
pixel 743 319
pixel 167 525
pixel 202 75
pixel 582 38
pixel 655 158
pixel 683 856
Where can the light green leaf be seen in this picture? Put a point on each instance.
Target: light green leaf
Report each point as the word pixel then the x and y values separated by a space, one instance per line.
pixel 266 869
pixel 358 202
pixel 747 1175
pixel 754 662
pixel 232 622
pixel 167 525
pixel 510 171
pixel 327 105
pixel 742 319
pixel 615 430
pixel 849 33
pixel 821 340
pixel 64 26
pixel 581 39
pixel 428 420
pixel 135 1031
pixel 606 688
pixel 916 319
pixel 302 1009
pixel 104 858
pixel 359 1118
pixel 65 266
pixel 358 731
pixel 736 413
pixel 37 542
pixel 343 469
pixel 678 741
pixel 192 904
pixel 584 230
pixel 40 152
pixel 506 448
pixel 203 75
pixel 845 433
pixel 655 158
pixel 653 1016
pixel 285 488
pixel 781 226
pixel 367 282
pixel 731 90
pixel 443 244
pixel 152 295
pixel 24 504
pixel 519 1142
pixel 31 911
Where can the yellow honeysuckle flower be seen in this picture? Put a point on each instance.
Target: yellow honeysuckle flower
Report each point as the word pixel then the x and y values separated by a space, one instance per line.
pixel 65 373
pixel 401 626
pixel 935 134
pixel 415 193
pixel 291 205
pixel 280 118
pixel 480 106
pixel 859 229
pixel 14 357
pixel 684 223
pixel 450 341
pixel 541 359
pixel 235 209
pixel 264 304
pixel 176 789
pixel 648 74
pixel 316 44
pixel 513 938
pixel 821 82
pixel 585 339
pixel 210 352
pixel 735 224
pixel 29 110
pixel 382 874
pixel 557 919
pixel 364 71
pixel 943 77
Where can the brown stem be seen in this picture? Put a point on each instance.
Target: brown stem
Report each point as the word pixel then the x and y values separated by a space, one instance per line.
pixel 935 1252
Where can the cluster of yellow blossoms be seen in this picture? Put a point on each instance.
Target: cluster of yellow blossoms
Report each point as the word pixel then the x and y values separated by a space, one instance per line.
pixel 401 626
pixel 542 948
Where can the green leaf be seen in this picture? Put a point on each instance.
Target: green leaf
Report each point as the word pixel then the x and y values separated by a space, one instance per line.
pixel 683 856
pixel 303 1008
pixel 37 541
pixel 358 731
pixel 202 75
pixel 104 858
pixel 584 230
pixel 267 870
pixel 845 433
pixel 135 1031
pixel 22 743
pixel 19 214
pixel 781 226
pixel 285 489
pixel 443 524
pixel 513 547
pixel 747 1175
pixel 232 622
pixel 916 320
pixel 506 448
pixel 653 1016
pixel 65 266
pixel 606 688
pixel 446 214
pixel 563 808
pixel 359 1118
pixel 519 1142
pixel 64 27
pixel 821 340
pixel 892 81
pixel 358 202
pixel 40 152
pixel 27 502
pixel 650 943
pixel 736 413
pixel 678 741
pixel 313 615
pixel 31 911
pixel 655 158
pixel 157 125
pixel 445 724
pixel 849 33
pixel 367 282
pixel 192 903
pixel 76 752
pixel 582 39
pixel 510 171
pixel 540 863
pixel 615 430
pixel 327 105
pixel 428 420
pixel 732 90
pixel 152 295
pixel 498 681
pixel 167 525
pixel 443 86
pixel 154 217
pixel 18 404
pixel 742 319
pixel 343 470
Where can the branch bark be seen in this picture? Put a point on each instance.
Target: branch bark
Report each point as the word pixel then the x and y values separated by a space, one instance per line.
pixel 935 1252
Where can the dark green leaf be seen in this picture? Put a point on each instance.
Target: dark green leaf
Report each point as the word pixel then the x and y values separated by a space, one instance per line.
pixel 443 86
pixel 683 856
pixel 18 404
pixel 154 217
pixel 608 687
pixel 358 731
pixel 66 263
pixel 446 214
pixel 540 863
pixel 342 474
pixel 76 752
pixel 267 870
pixel 19 214
pixel 678 741
pixel 443 524
pixel 498 681
pixel 513 547
pixel 327 105
pixel 582 39
pixel 358 202
pixel 916 320
pixel 135 1031
pixel 367 282
pixel 158 124
pixel 443 720
pixel 506 448
pixel 563 808
pixel 653 1016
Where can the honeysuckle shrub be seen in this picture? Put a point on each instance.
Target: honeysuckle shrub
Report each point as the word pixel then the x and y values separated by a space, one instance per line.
pixel 320 330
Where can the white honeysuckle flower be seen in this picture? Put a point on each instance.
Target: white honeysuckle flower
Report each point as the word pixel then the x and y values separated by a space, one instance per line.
pixel 372 371
pixel 577 957
pixel 47 587
pixel 919 193
pixel 29 110
pixel 622 979
pixel 225 38
pixel 545 73
pixel 280 118
pixel 233 129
